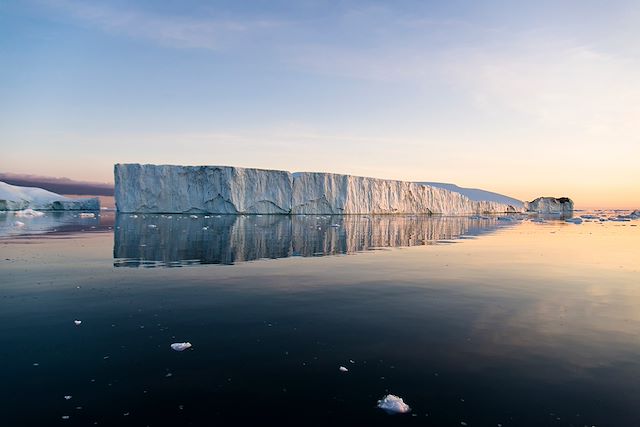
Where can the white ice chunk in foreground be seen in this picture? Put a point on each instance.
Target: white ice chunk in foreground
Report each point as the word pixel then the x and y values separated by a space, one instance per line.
pixel 77 322
pixel 180 346
pixel 343 369
pixel 393 405
pixel 27 213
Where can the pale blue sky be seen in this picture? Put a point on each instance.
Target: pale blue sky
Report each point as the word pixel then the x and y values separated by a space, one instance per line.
pixel 524 98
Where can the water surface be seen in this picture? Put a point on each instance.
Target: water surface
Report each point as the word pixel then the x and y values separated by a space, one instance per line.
pixel 480 320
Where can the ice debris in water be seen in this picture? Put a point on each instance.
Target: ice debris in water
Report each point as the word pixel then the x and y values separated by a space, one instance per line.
pixel 87 215
pixel 393 405
pixel 67 397
pixel 28 213
pixel 574 220
pixel 19 224
pixel 77 322
pixel 180 346
pixel 343 369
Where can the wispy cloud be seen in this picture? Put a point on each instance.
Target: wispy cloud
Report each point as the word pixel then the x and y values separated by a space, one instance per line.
pixel 171 31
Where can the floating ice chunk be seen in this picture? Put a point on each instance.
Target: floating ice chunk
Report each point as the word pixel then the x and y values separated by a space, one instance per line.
pixel 68 397
pixel 87 215
pixel 393 405
pixel 335 225
pixel 153 226
pixel 193 216
pixel 19 224
pixel 574 220
pixel 180 346
pixel 77 322
pixel 343 369
pixel 65 417
pixel 28 213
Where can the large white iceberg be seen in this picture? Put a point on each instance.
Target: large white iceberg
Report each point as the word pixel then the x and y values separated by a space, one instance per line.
pixel 15 198
pixel 232 190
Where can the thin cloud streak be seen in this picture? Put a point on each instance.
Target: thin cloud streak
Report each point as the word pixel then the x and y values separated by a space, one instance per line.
pixel 174 32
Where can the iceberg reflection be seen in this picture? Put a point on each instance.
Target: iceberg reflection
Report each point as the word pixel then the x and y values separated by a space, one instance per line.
pixel 177 240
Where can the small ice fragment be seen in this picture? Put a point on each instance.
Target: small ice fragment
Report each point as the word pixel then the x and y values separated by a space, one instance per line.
pixel 68 397
pixel 77 322
pixel 153 226
pixel 19 224
pixel 65 417
pixel 193 216
pixel 36 364
pixel 180 346
pixel 169 374
pixel 393 405
pixel 28 213
pixel 574 220
pixel 343 369
pixel 351 361
pixel 335 225
pixel 87 215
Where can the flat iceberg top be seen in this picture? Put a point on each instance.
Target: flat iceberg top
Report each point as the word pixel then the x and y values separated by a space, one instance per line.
pixel 477 194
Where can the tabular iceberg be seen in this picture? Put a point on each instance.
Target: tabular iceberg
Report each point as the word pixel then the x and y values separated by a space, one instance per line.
pixel 550 205
pixel 233 190
pixel 15 198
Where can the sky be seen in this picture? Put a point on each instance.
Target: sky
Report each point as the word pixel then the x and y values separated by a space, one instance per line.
pixel 526 99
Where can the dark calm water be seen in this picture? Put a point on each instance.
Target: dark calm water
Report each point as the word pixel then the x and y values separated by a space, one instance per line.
pixel 478 321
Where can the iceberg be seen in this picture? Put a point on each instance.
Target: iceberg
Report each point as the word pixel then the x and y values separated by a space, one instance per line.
pixel 393 404
pixel 550 205
pixel 233 190
pixel 180 346
pixel 29 199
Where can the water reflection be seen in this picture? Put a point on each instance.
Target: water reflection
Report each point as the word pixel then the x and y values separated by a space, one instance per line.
pixel 13 224
pixel 176 240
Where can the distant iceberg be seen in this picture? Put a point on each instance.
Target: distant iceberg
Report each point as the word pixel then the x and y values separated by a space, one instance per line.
pixel 29 199
pixel 550 205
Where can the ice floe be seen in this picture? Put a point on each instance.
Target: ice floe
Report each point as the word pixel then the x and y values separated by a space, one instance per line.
pixel 28 213
pixel 180 346
pixel 77 322
pixel 343 369
pixel 393 404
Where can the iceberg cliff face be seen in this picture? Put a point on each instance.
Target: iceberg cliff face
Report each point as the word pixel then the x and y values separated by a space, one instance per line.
pixel 327 193
pixel 193 189
pixel 14 198
pixel 231 190
pixel 550 205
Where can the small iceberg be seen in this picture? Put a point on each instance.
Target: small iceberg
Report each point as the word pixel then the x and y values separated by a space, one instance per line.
pixel 574 220
pixel 77 322
pixel 393 405
pixel 343 369
pixel 180 346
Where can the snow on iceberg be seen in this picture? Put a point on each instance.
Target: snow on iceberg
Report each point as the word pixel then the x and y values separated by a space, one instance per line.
pixel 393 404
pixel 15 198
